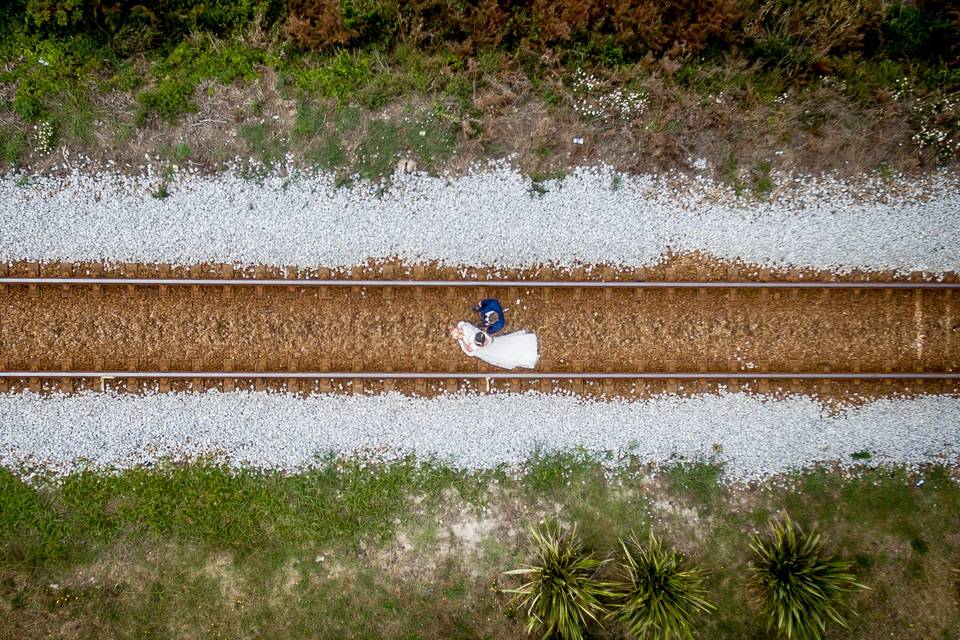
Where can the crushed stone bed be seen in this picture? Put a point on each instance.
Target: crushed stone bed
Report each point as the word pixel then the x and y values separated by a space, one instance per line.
pixel 753 437
pixel 634 221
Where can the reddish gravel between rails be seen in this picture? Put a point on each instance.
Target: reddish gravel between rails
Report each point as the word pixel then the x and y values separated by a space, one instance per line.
pixel 372 329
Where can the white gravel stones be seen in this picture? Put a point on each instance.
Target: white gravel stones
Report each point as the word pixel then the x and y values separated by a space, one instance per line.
pixel 592 218
pixel 754 437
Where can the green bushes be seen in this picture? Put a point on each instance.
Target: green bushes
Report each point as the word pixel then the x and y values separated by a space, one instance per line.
pixel 778 33
pixel 562 595
pixel 657 596
pixel 801 589
pixel 167 100
pixel 117 20
pixel 660 598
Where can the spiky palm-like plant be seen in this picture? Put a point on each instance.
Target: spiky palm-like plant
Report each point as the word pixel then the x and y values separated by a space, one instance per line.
pixel 801 589
pixel 562 594
pixel 659 597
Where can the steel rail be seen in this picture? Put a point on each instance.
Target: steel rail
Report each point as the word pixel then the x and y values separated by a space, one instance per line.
pixel 596 284
pixel 478 375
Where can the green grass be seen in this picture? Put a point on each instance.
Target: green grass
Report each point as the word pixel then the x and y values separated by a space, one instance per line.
pixel 205 505
pixel 429 140
pixel 762 181
pixel 698 481
pixel 264 144
pixel 13 144
pixel 236 554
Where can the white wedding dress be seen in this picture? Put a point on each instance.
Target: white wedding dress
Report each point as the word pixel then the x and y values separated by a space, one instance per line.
pixel 517 349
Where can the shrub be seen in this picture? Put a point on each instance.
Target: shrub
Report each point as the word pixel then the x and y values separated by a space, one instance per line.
pixel 909 31
pixel 340 77
pixel 159 20
pixel 801 589
pixel 168 100
pixel 562 595
pixel 659 598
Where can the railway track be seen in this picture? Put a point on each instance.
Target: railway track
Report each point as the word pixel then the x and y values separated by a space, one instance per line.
pixel 574 372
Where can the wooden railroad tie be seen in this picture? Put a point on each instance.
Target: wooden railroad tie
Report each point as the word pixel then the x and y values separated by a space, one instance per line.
pixel 33 271
pixel 578 274
pixel 227 271
pixel 130 271
pixel 291 275
pixel 258 383
pixel 66 384
pixel 324 384
pixel 418 274
pixel 356 292
pixel 293 384
pixel 96 290
pixel 34 383
pixel 229 384
pixel 195 273
pixel 198 367
pixel 163 290
pixel 133 385
pixel 388 274
pixel 325 274
pixel 164 384
pixel 66 271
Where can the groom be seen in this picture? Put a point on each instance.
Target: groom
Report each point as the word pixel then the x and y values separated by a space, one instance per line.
pixel 491 315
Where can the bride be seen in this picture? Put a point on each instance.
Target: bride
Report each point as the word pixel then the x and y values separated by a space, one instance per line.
pixel 517 349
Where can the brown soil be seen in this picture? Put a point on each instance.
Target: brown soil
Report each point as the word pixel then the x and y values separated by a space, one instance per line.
pixel 355 329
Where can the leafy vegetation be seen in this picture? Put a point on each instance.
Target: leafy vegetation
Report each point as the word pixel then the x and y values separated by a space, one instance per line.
pixel 414 551
pixel 562 595
pixel 659 597
pixel 457 65
pixel 801 587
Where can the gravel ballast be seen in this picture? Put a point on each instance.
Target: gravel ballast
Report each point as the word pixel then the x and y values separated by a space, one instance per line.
pixel 592 217
pixel 754 437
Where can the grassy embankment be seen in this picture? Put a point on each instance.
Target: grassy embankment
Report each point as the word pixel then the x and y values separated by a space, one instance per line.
pixel 853 87
pixel 418 552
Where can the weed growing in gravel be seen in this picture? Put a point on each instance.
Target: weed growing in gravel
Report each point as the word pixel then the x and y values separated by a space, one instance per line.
pixel 162 192
pixel 762 181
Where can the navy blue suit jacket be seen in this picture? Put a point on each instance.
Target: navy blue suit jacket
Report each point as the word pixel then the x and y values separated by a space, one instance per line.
pixel 492 305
